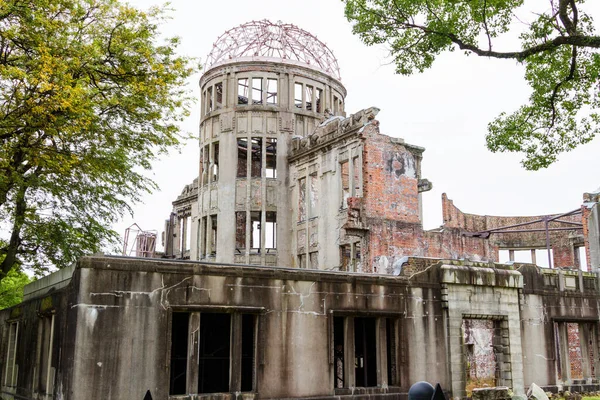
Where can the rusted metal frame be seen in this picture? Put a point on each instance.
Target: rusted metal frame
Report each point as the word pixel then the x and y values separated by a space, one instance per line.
pixel 543 219
pixel 538 230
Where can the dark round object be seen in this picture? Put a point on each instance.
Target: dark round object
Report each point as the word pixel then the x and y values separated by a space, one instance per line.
pixel 421 391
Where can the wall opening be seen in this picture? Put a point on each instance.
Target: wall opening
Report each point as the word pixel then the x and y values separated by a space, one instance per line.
pixel 10 376
pixel 203 231
pixel 179 350
pixel 271 161
pixel 365 352
pixel 242 160
pixel 392 367
pixel 298 95
pixel 209 99
pixel 313 196
pixel 308 95
pixel 45 378
pixel 256 166
pixel 255 227
pixel 271 230
pixel 271 91
pixel 257 91
pixel 484 353
pixel 338 351
pixel 576 350
pixel 219 95
pixel 345 176
pixel 247 373
pixel 314 259
pixel 215 162
pixel 350 257
pixel 581 258
pixel 319 102
pixel 240 232
pixel 243 91
pixel 214 352
pixel 301 199
pixel 213 235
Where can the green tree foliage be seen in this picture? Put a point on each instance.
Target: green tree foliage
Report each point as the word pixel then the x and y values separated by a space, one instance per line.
pixel 89 97
pixel 11 288
pixel 558 50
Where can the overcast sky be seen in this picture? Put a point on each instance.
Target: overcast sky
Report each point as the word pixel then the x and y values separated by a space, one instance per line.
pixel 446 110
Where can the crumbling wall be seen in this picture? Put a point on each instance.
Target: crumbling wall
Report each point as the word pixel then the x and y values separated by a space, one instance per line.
pixel 562 242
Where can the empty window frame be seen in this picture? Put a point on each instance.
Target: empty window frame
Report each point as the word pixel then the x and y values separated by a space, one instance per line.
pixel 533 256
pixel 581 258
pixel 576 350
pixel 272 91
pixel 313 258
pixel 308 95
pixel 215 162
pixel 218 95
pixel 368 359
pixel 212 243
pixel 188 233
pixel 181 234
pixel 270 230
pixel 209 99
pixel 350 257
pixel 242 162
pixel 240 232
pixel 336 107
pixel 256 164
pixel 356 178
pixel 319 101
pixel 255 242
pixel 301 199
pixel 313 196
pixel 10 376
pixel 243 91
pixel 298 95
pixel 203 238
pixel 271 160
pixel 302 260
pixel 345 177
pixel 257 91
pixel 222 358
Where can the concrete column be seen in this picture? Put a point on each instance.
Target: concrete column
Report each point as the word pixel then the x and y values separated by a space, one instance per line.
pixel 193 352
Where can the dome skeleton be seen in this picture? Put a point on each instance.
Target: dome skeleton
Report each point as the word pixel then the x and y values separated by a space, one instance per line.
pixel 273 40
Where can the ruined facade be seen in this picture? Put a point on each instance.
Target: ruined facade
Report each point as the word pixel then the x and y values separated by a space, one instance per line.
pixel 296 266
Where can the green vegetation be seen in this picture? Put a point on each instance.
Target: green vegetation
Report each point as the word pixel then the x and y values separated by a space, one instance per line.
pixel 11 288
pixel 89 98
pixel 558 50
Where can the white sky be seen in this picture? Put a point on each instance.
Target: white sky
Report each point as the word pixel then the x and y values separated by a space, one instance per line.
pixel 446 110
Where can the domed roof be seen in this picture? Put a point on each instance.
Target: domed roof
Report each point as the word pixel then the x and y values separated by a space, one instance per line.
pixel 264 39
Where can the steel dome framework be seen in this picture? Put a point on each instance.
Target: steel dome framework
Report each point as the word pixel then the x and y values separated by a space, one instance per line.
pixel 275 41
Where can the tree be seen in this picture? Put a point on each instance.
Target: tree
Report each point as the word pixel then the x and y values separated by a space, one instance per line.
pixel 88 99
pixel 558 50
pixel 11 288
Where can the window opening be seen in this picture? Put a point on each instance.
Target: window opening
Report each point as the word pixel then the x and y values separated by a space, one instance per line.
pixel 11 354
pixel 242 163
pixel 214 352
pixel 209 100
pixel 45 338
pixel 181 235
pixel 203 236
pixel 188 233
pixel 365 352
pixel 240 231
pixel 255 226
pixel 318 101
pixel 392 368
pixel 248 329
pixel 350 257
pixel 219 95
pixel 271 91
pixel 308 96
pixel 480 337
pixel 298 95
pixel 205 164
pixel 243 91
pixel 356 191
pixel 338 351
pixel 302 260
pixel 313 257
pixel 179 350
pixel 215 162
pixel 213 235
pixel 271 230
pixel 335 105
pixel 271 149
pixel 302 199
pixel 313 196
pixel 345 173
pixel 581 258
pixel 257 91
pixel 256 171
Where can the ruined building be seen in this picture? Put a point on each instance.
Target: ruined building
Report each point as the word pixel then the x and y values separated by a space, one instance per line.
pixel 296 266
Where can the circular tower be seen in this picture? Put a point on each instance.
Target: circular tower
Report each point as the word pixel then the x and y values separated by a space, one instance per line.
pixel 263 84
